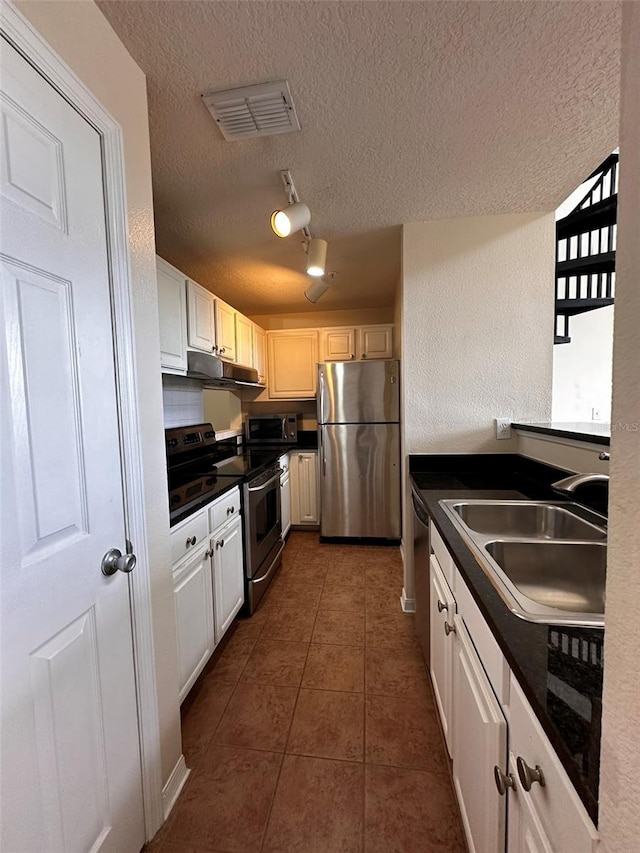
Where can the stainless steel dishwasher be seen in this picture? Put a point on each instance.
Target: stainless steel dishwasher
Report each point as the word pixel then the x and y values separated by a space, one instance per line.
pixel 421 573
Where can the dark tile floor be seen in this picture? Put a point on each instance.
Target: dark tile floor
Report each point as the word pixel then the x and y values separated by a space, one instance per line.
pixel 314 730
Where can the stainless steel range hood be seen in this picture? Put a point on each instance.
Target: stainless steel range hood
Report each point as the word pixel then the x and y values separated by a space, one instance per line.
pixel 215 373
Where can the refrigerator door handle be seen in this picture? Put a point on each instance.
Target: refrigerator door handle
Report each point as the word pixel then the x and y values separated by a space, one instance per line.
pixel 322 455
pixel 321 396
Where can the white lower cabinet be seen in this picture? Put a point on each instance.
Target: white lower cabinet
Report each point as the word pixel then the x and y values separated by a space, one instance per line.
pixel 480 739
pixel 285 494
pixel 305 504
pixel 208 582
pixel 549 817
pixel 193 595
pixel 442 644
pixel 228 574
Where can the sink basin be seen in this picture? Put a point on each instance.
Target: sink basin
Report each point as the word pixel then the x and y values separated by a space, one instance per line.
pixel 528 520
pixel 547 563
pixel 562 575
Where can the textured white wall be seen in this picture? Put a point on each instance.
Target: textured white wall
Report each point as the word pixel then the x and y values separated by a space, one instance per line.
pixel 478 324
pixel 620 766
pixel 477 308
pixel 582 369
pixel 82 37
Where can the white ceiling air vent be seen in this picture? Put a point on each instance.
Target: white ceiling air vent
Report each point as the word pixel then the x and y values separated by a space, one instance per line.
pixel 262 110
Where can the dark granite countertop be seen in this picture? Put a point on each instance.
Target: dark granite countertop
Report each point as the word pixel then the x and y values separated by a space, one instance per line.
pixel 591 431
pixel 558 668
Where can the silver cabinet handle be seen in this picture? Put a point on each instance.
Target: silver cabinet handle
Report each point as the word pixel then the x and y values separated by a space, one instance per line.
pixel 604 456
pixel 191 540
pixel 503 781
pixel 442 606
pixel 529 775
pixel 364 355
pixel 115 561
pixel 230 510
pixel 353 355
pixel 220 543
pixel 208 553
pixel 449 629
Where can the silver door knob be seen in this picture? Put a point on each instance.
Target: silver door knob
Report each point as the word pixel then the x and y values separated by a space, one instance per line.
pixel 529 775
pixel 449 629
pixel 220 543
pixel 364 355
pixel 503 781
pixel 441 606
pixel 191 540
pixel 115 561
pixel 604 456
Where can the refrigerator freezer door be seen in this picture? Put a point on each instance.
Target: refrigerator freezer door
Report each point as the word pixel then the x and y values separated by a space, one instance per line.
pixel 360 480
pixel 359 392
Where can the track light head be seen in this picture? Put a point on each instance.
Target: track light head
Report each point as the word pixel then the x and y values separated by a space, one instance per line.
pixel 317 257
pixel 290 219
pixel 316 290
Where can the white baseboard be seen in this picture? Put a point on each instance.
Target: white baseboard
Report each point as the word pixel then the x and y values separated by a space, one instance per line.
pixel 175 784
pixel 408 604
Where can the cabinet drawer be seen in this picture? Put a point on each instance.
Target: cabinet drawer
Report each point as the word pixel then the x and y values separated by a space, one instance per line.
pixel 485 643
pixel 189 536
pixel 442 553
pixel 224 508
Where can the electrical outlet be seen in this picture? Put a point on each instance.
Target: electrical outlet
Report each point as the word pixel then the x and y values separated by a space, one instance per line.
pixel 596 414
pixel 503 428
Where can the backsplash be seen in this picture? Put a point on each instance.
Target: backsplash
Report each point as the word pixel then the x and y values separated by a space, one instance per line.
pixel 181 401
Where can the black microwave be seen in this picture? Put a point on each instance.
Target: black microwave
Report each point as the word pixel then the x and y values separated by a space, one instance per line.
pixel 271 429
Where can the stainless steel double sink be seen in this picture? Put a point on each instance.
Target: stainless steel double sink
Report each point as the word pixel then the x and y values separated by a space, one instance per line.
pixel 546 562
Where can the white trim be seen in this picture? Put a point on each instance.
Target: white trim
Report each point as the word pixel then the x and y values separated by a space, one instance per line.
pixel 408 604
pixel 31 44
pixel 581 443
pixel 175 784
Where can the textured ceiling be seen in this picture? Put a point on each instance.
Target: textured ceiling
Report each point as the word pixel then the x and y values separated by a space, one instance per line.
pixel 409 111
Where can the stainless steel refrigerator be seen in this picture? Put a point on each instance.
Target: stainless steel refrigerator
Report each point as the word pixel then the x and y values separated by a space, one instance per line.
pixel 359 446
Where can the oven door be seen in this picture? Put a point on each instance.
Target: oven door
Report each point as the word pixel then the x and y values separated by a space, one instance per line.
pixel 262 519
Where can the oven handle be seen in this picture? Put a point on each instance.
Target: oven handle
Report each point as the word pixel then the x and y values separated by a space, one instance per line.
pixel 271 480
pixel 263 577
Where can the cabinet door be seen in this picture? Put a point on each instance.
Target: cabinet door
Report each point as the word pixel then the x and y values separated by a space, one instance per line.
pixel 556 807
pixel 338 344
pixel 228 575
pixel 225 330
pixel 443 607
pixel 524 831
pixel 172 308
pixel 292 364
pixel 375 342
pixel 194 618
pixel 304 488
pixel 480 743
pixel 285 503
pixel 260 353
pixel 200 320
pixel 244 341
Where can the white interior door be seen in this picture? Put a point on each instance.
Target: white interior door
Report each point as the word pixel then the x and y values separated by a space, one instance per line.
pixel 71 775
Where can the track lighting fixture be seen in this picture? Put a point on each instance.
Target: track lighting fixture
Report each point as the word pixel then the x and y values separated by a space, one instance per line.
pixel 316 289
pixel 316 257
pixel 290 219
pixel 296 217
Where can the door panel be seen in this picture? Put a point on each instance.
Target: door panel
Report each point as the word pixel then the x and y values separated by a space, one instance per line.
pixel 360 477
pixel 359 392
pixel 70 751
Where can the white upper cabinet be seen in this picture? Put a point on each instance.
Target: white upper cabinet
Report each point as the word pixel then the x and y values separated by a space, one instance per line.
pixel 225 330
pixel 172 308
pixel 374 342
pixel 201 332
pixel 244 341
pixel 338 344
pixel 345 343
pixel 260 353
pixel 293 364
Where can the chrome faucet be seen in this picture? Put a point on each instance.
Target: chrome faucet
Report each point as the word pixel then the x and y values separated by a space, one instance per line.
pixel 570 484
